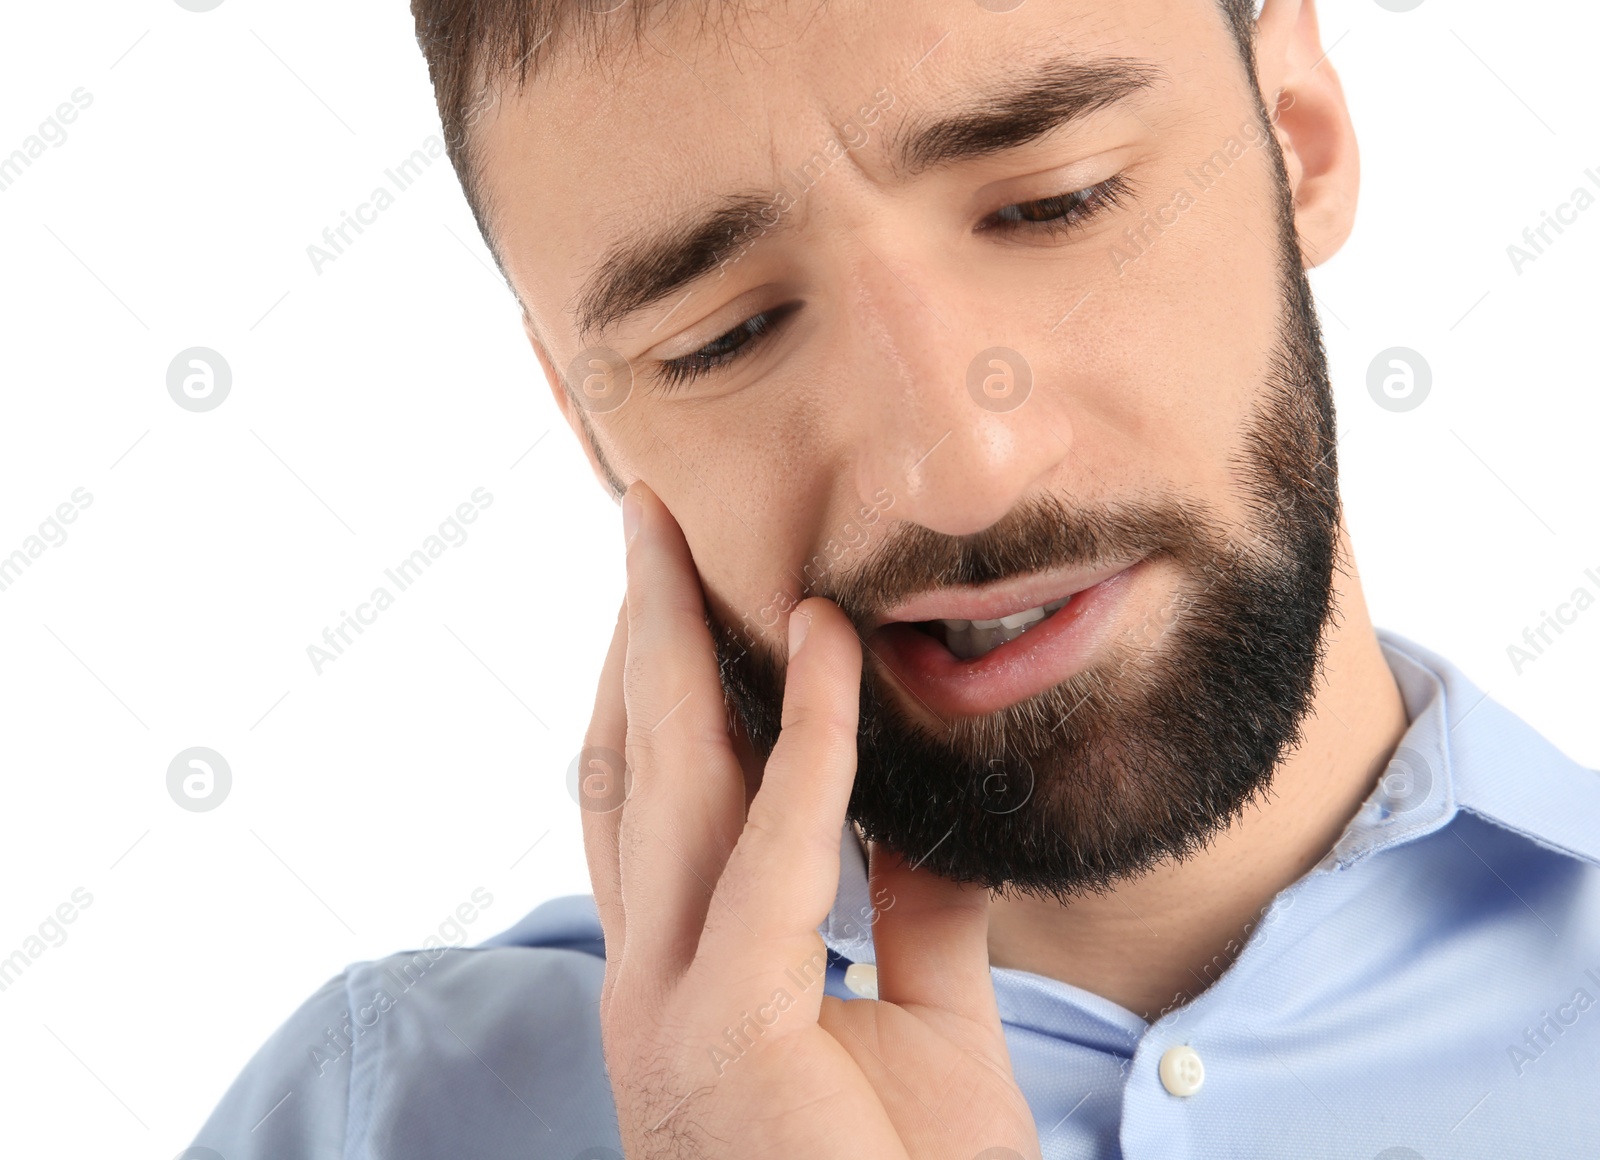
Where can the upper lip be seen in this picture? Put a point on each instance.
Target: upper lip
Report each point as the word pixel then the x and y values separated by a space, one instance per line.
pixel 1002 598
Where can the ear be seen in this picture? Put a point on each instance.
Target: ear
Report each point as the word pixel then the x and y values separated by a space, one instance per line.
pixel 576 418
pixel 1301 92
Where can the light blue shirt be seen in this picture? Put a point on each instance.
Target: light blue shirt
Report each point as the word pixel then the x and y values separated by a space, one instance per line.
pixel 1430 989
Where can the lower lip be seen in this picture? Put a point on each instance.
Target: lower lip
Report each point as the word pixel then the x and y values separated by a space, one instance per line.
pixel 1060 646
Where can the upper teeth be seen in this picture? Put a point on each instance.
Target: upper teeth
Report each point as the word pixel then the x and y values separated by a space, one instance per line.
pixel 972 638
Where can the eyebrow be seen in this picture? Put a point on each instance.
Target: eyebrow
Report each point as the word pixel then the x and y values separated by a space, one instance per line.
pixel 644 269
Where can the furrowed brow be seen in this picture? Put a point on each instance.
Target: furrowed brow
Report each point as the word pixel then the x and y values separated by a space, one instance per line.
pixel 1017 110
pixel 645 269
pixel 641 271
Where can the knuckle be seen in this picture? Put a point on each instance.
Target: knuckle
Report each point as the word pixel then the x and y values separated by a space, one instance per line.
pixel 766 832
pixel 827 733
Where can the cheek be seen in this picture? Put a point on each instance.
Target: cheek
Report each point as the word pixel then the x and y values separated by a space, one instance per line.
pixel 1166 368
pixel 749 487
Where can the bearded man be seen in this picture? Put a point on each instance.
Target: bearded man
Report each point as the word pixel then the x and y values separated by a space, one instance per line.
pixel 994 757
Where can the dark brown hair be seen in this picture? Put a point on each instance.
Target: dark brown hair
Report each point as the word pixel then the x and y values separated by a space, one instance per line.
pixel 473 47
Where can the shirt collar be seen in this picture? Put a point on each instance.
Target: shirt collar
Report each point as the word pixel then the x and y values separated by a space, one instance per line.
pixel 1461 750
pixel 1499 767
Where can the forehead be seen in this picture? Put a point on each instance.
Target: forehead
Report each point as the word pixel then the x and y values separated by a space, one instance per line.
pixel 609 139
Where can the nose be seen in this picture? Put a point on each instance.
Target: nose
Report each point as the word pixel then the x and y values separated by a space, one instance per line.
pixel 949 413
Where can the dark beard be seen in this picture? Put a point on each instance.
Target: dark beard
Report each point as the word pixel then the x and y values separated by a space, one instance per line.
pixel 1149 754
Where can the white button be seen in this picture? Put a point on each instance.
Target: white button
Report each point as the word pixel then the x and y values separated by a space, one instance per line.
pixel 1181 1071
pixel 862 978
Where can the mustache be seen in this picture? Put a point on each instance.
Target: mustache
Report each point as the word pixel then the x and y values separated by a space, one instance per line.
pixel 1038 534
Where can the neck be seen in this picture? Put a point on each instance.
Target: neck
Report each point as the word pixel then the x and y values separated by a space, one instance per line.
pixel 1157 941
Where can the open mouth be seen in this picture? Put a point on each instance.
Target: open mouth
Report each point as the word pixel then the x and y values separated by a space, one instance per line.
pixel 971 639
pixel 1018 638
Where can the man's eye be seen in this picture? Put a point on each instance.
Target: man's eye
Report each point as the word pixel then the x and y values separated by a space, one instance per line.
pixel 1062 213
pixel 1050 215
pixel 720 351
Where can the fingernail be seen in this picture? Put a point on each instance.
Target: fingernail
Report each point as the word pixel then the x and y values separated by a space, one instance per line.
pixel 631 511
pixel 799 625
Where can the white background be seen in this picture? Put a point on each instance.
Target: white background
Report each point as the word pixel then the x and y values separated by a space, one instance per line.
pixel 372 398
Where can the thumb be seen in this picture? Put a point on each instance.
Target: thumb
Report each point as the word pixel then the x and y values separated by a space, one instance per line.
pixel 931 940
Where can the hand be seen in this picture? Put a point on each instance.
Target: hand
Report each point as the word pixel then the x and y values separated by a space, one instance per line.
pixel 717 1035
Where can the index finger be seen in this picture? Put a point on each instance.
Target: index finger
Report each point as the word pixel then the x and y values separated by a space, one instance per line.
pixel 784 873
pixel 602 784
pixel 686 806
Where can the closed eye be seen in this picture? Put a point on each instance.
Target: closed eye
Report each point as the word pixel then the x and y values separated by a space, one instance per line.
pixel 1052 216
pixel 725 348
pixel 1062 213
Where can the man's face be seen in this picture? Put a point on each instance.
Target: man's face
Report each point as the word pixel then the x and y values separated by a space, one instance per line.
pixel 948 360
